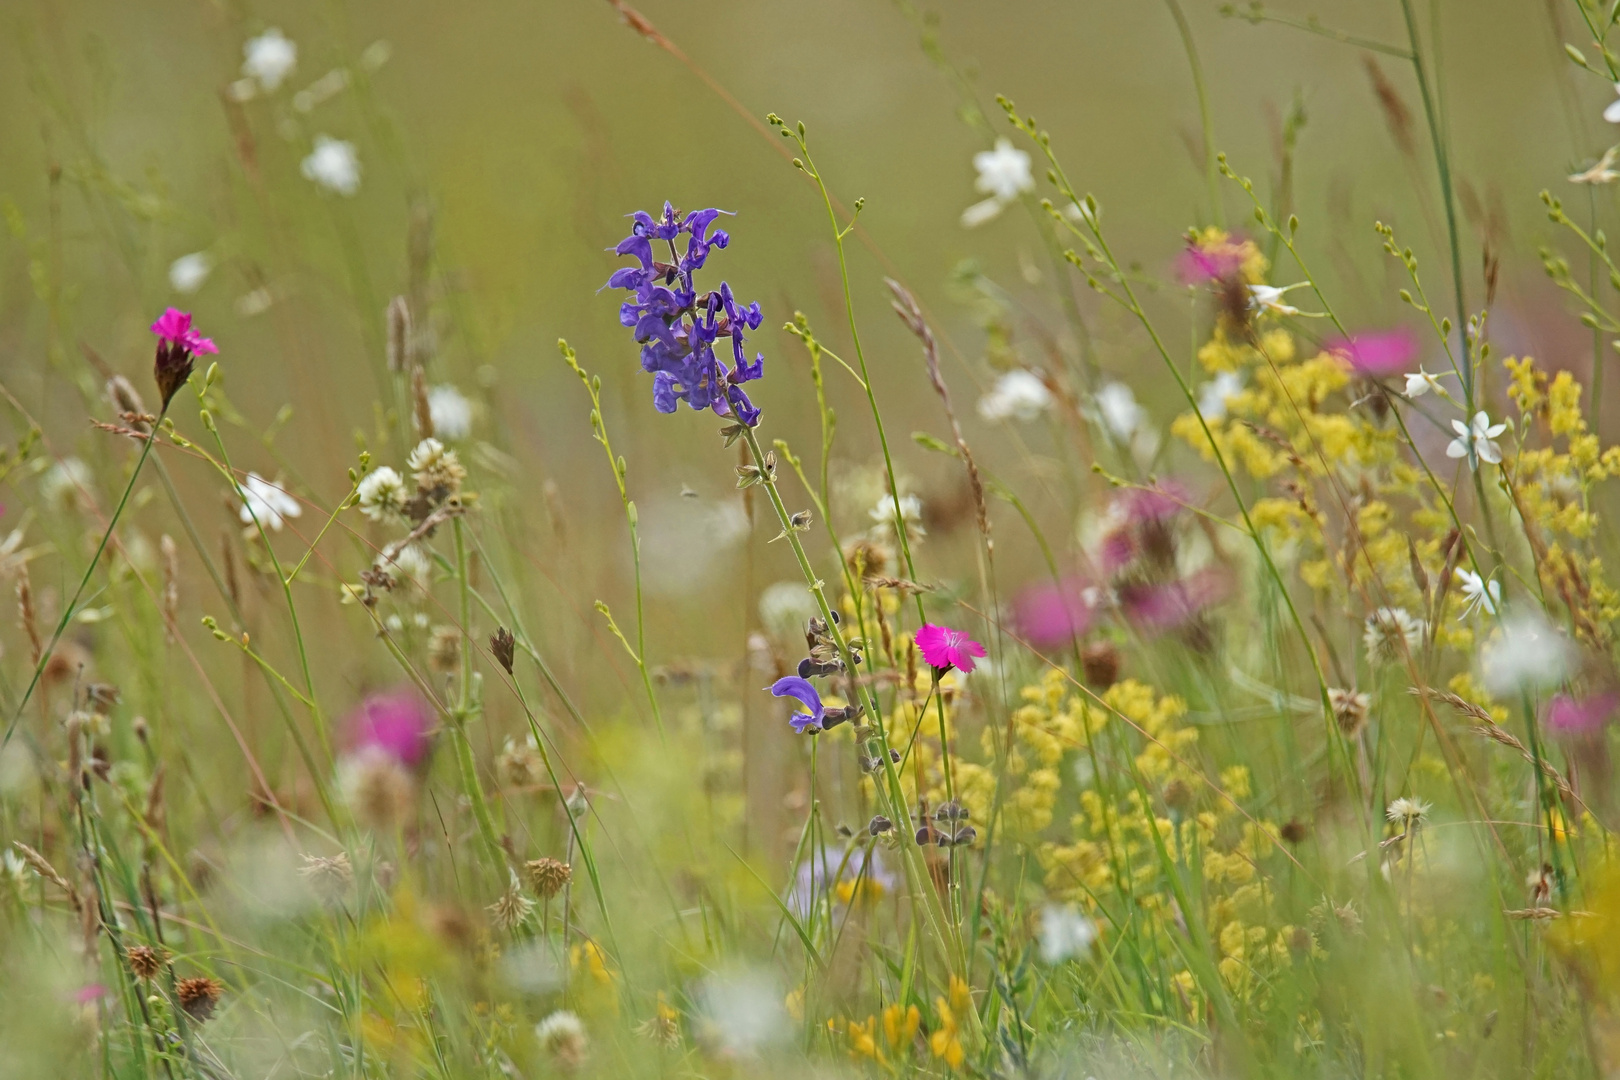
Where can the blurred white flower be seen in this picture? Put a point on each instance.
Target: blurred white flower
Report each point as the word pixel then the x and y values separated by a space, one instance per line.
pixel 1017 395
pixel 1602 171
pixel 1408 812
pixel 409 563
pixel 334 165
pixel 1004 174
pixel 743 1011
pixel 1479 593
pixel 1269 298
pixel 1476 441
pixel 451 411
pixel 65 481
pixel 1390 634
pixel 1529 654
pixel 784 608
pixel 382 494
pixel 1612 113
pixel 882 515
pixel 188 272
pixel 562 1035
pixel 1213 394
pixel 267 503
pixel 254 303
pixel 269 58
pixel 1119 412
pixel 1065 933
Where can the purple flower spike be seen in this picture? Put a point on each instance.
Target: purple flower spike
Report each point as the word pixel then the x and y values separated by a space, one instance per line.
pixel 794 687
pixel 398 723
pixel 676 327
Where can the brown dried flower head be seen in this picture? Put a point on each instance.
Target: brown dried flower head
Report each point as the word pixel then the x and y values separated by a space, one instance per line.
pixel 504 646
pixel 198 996
pixel 548 876
pixel 1350 710
pixel 145 962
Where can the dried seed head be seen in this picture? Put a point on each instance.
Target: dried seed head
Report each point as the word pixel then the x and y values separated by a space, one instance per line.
pixel 513 909
pixel 1294 831
pixel 330 876
pixel 145 962
pixel 399 335
pixel 198 996
pixel 121 392
pixel 1350 710
pixel 1178 795
pixel 1099 664
pixel 504 646
pixel 171 584
pixel 519 764
pixel 444 650
pixel 376 788
pixel 548 876
pixel 424 409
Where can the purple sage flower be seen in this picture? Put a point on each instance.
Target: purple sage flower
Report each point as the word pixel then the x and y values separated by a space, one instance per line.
pixel 676 327
pixel 794 687
pixel 398 723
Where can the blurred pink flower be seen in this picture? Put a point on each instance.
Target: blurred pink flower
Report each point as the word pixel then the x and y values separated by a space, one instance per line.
pixel 1164 500
pixel 398 723
pixel 1378 354
pixel 84 995
pixel 1158 607
pixel 1199 263
pixel 945 648
pixel 1049 614
pixel 1568 717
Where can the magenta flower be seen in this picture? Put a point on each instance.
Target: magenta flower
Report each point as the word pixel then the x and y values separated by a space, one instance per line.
pixel 1198 263
pixel 175 328
pixel 1576 718
pixel 178 346
pixel 945 648
pixel 398 723
pixel 1051 615
pixel 1156 608
pixel 1378 354
pixel 1159 503
pixel 88 993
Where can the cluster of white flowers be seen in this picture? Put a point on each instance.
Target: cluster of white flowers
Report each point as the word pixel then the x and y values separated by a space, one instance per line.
pixel 1017 395
pixel 382 495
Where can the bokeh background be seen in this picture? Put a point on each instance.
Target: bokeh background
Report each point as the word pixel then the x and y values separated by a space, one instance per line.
pixel 501 143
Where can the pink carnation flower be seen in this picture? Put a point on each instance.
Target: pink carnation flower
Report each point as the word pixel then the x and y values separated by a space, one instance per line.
pixel 1572 718
pixel 1378 354
pixel 945 648
pixel 398 723
pixel 175 327
pixel 1159 607
pixel 1051 615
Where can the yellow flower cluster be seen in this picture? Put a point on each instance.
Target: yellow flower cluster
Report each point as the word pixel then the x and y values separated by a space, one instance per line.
pixel 899 1034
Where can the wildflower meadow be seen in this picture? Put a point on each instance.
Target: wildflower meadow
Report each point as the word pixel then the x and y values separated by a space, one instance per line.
pixel 705 540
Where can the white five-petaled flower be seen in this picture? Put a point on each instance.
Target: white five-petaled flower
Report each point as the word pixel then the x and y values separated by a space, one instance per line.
pixel 1269 298
pixel 1612 113
pixel 1213 394
pixel 1018 395
pixel 269 58
pixel 1479 592
pixel 267 503
pixel 1420 382
pixel 188 272
pixel 1476 441
pixel 1602 171
pixel 451 411
pixel 1004 174
pixel 1407 812
pixel 334 165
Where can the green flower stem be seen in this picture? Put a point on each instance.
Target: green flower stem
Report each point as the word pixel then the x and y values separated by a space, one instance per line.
pixel 465 707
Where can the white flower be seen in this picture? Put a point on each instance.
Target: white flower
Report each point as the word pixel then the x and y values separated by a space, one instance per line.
pixel 269 58
pixel 1269 298
pixel 267 503
pixel 1407 812
pixel 742 1011
pixel 14 869
pixel 1004 174
pixel 408 563
pixel 1017 395
pixel 382 494
pixel 1213 394
pixel 1065 933
pixel 910 515
pixel 334 165
pixel 435 466
pixel 1479 592
pixel 784 608
pixel 64 481
pixel 1118 411
pixel 1420 382
pixel 451 412
pixel 562 1035
pixel 188 272
pixel 1612 113
pixel 1602 171
pixel 1391 633
pixel 1529 654
pixel 1476 441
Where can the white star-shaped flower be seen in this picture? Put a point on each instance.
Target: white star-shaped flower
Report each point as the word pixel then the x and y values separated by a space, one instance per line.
pixel 1602 171
pixel 1269 298
pixel 1004 174
pixel 1479 593
pixel 1476 441
pixel 269 58
pixel 1420 382
pixel 267 503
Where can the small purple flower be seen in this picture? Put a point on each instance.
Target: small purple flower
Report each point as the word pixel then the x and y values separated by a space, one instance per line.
pixel 794 687
pixel 398 723
pixel 675 326
pixel 1378 354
